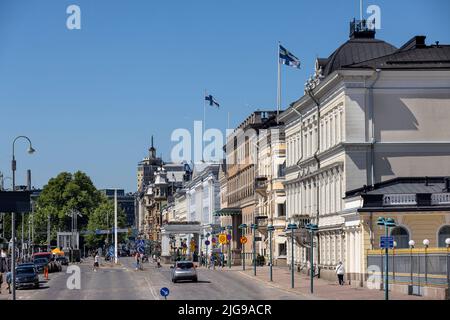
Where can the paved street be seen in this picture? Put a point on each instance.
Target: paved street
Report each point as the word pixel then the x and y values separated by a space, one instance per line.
pixel 123 282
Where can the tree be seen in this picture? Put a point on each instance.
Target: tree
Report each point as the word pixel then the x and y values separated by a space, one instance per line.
pixel 62 194
pixel 103 219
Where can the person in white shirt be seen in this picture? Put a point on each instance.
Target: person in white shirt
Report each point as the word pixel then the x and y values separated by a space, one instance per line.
pixel 340 271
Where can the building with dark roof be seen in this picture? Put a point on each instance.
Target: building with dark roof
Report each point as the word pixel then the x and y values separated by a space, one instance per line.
pixel 372 112
pixel 420 209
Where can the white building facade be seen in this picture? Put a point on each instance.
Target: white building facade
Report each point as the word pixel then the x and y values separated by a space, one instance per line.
pixel 370 114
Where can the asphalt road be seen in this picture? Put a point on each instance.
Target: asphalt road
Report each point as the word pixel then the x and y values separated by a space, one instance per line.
pixel 124 283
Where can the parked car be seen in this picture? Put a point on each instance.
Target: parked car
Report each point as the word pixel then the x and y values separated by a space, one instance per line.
pixel 184 270
pixel 27 276
pixel 40 264
pixel 62 260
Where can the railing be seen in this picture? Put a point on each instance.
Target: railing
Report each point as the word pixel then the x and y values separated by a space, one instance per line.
pixel 399 199
pixel 440 198
pixel 415 267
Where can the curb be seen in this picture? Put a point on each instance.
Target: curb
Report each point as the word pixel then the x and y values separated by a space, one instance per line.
pixel 273 285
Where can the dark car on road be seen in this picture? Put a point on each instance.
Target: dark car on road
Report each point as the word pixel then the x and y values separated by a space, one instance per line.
pixel 62 260
pixel 40 264
pixel 184 270
pixel 27 276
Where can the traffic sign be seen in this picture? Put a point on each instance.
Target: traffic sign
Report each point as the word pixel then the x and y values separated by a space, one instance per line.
pixel 222 238
pixel 207 242
pixel 164 292
pixel 387 242
pixel 141 250
pixel 214 240
pixel 229 237
pixel 243 240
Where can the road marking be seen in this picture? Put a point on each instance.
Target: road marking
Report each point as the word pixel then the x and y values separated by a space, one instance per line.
pixel 151 289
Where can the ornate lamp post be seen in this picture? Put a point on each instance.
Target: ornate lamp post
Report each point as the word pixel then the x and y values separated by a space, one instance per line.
pixel 292 227
pixel 312 228
pixel 270 229
pixel 387 223
pixel 254 228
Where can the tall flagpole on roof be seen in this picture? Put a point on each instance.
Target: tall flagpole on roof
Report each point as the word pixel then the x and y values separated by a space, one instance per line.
pixel 278 82
pixel 360 10
pixel 204 124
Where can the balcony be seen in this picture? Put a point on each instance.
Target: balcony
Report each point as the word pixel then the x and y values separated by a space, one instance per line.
pixel 261 185
pixel 440 199
pixel 399 200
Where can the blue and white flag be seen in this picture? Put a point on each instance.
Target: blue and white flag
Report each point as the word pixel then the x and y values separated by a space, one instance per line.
pixel 212 101
pixel 288 58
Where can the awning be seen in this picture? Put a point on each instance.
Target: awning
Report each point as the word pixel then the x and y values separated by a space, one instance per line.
pixel 57 251
pixel 228 212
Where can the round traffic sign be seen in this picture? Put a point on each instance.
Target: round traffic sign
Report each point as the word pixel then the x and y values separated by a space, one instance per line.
pixel 229 237
pixel 214 240
pixel 222 239
pixel 164 292
pixel 207 242
pixel 243 240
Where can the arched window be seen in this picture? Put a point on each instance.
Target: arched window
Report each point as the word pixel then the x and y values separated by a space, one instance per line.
pixel 444 233
pixel 401 236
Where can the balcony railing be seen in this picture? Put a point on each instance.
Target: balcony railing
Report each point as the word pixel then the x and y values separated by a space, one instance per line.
pixel 399 200
pixel 440 199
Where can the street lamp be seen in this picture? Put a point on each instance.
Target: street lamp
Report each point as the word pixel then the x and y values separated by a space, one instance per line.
pixel 254 228
pixel 13 215
pixel 229 228
pixel 387 223
pixel 206 244
pixel 312 228
pixel 243 227
pixel 270 229
pixel 411 243
pixel 447 243
pixel 292 227
pixel 426 244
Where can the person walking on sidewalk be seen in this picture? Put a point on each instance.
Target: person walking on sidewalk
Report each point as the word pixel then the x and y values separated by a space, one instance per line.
pixel 340 271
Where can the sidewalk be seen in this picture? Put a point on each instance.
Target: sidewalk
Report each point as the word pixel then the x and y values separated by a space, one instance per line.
pixel 322 289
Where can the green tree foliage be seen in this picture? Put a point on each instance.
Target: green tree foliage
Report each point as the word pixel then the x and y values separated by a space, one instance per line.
pixel 62 194
pixel 103 219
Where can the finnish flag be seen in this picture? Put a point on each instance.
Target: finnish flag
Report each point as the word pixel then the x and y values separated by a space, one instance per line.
pixel 288 58
pixel 212 101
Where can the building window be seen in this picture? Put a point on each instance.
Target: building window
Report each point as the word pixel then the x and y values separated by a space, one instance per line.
pixel 282 249
pixel 401 236
pixel 281 210
pixel 444 234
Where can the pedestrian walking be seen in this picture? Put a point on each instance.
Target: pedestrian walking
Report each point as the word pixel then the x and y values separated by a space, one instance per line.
pixel 96 262
pixel 340 271
pixel 136 257
pixel 9 280
pixel 1 281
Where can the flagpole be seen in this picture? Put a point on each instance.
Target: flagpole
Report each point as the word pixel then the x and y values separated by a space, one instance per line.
pixel 278 82
pixel 204 124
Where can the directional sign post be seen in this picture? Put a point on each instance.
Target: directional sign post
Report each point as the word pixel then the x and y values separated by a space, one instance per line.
pixel 387 242
pixel 164 292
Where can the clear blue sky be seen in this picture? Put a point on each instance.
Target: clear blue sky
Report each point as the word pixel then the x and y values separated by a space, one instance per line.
pixel 91 99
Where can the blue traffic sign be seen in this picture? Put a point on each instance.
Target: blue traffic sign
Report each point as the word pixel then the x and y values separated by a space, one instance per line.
pixel 164 292
pixel 140 250
pixel 207 242
pixel 111 250
pixel 387 242
pixel 140 243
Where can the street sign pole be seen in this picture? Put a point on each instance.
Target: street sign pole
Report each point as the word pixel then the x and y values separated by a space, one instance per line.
pixel 115 226
pixel 254 251
pixel 271 258
pixel 386 276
